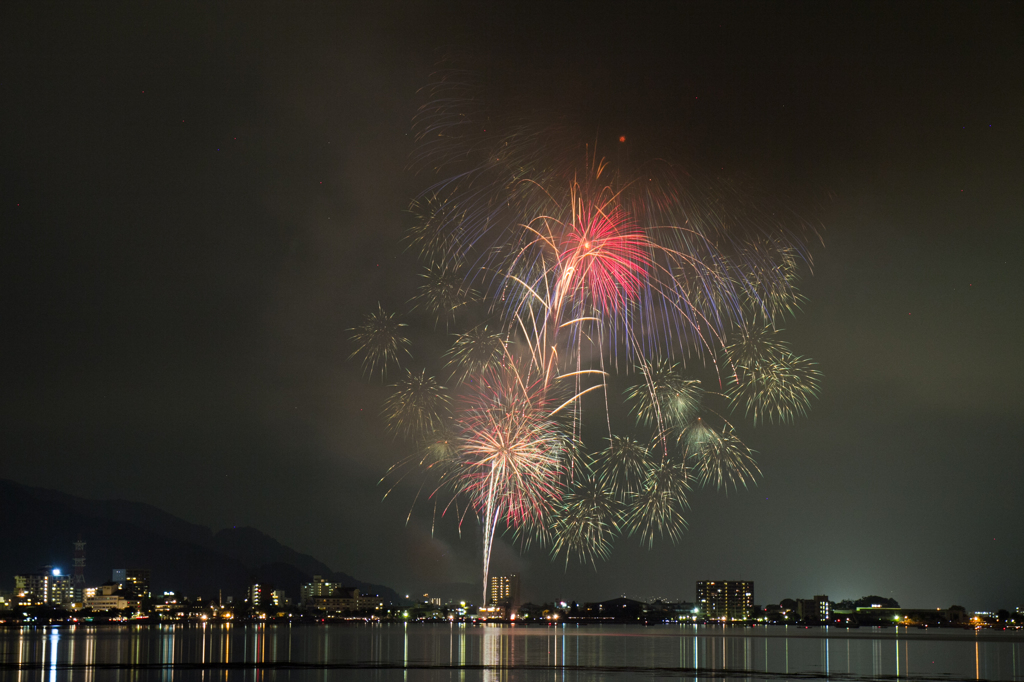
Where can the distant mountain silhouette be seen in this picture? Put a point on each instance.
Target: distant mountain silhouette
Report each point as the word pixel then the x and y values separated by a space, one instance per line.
pixel 40 526
pixel 144 516
pixel 254 549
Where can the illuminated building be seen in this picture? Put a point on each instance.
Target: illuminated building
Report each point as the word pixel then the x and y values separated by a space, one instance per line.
pixel 504 590
pixel 260 594
pixel 345 599
pixel 106 597
pixel 491 612
pixel 324 595
pixel 134 582
pixel 817 610
pixel 871 615
pixel 318 588
pixel 48 587
pixel 725 599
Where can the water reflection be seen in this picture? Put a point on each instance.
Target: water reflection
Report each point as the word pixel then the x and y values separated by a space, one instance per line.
pixel 492 653
pixel 495 653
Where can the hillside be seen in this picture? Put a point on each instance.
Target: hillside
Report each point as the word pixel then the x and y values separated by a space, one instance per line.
pixel 40 526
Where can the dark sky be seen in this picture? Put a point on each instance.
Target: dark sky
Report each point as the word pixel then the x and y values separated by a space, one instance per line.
pixel 197 201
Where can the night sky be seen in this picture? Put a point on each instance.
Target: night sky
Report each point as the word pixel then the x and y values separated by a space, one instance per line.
pixel 198 200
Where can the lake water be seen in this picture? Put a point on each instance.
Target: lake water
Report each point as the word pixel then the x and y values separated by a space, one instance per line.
pixel 393 652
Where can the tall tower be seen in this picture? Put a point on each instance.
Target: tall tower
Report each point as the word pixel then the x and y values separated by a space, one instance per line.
pixel 78 584
pixel 504 590
pixel 725 599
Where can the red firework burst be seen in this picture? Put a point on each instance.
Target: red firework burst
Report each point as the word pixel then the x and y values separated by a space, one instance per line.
pixel 606 254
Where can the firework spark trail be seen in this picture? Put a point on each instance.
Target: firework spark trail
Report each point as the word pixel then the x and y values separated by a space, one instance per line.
pixel 511 453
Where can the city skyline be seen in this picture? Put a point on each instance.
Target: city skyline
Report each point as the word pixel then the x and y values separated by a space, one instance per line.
pixel 199 206
pixel 718 598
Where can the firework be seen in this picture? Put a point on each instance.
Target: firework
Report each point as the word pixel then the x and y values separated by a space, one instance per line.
pixel 439 447
pixel 432 234
pixel 666 397
pixel 379 342
pixel 602 255
pixel 587 521
pixel 772 295
pixel 623 465
pixel 418 406
pixel 475 352
pixel 511 450
pixel 443 292
pixel 569 273
pixel 754 345
pixel 512 453
pixel 769 382
pixel 718 458
pixel 658 508
pixel 777 390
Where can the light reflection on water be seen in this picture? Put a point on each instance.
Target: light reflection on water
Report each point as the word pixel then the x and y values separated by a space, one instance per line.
pixel 500 653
